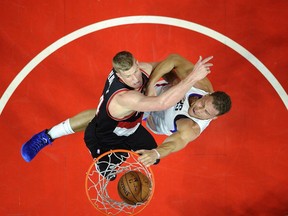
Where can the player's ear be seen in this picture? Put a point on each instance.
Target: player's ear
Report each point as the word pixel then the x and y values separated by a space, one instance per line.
pixel 118 74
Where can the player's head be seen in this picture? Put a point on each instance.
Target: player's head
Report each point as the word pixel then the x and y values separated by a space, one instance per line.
pixel 221 102
pixel 127 69
pixel 210 106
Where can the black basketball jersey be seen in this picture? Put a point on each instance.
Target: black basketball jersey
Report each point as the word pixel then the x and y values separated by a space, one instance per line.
pixel 110 130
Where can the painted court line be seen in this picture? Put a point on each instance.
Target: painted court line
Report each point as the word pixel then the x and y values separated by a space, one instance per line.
pixel 142 20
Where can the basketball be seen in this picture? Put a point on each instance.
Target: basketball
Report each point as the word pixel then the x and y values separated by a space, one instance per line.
pixel 134 187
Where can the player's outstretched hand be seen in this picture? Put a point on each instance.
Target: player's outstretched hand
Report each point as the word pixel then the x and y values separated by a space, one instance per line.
pixel 147 157
pixel 201 68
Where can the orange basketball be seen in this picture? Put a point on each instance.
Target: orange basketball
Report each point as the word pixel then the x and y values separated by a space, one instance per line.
pixel 134 187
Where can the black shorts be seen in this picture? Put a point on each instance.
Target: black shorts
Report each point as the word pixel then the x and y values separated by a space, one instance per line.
pixel 140 139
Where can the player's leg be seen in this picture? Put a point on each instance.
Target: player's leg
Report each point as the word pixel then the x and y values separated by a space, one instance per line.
pixel 74 124
pixel 80 121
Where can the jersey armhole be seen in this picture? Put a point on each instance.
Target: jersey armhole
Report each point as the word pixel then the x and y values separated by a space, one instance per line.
pixel 176 119
pixel 108 103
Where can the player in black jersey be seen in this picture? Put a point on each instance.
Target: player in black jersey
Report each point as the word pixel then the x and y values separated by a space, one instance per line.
pixel 117 122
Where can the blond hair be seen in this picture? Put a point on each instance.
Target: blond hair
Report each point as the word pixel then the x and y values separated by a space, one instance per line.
pixel 123 61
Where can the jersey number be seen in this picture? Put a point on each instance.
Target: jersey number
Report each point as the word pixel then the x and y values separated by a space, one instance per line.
pixel 179 105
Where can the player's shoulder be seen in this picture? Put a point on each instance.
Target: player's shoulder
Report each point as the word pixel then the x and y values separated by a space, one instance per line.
pixel 126 94
pixel 187 124
pixel 188 129
pixel 145 66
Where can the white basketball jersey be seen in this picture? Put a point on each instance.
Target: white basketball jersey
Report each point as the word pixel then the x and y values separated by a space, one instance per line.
pixel 163 122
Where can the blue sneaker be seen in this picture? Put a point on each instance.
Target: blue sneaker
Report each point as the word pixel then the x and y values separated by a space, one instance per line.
pixel 31 148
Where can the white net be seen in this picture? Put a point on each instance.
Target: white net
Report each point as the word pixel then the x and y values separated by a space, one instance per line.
pixel 101 189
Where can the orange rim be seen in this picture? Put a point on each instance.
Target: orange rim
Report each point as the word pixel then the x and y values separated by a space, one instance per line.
pixel 115 151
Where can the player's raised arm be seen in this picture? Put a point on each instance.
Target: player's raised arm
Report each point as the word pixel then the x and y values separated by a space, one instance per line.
pixel 181 66
pixel 133 100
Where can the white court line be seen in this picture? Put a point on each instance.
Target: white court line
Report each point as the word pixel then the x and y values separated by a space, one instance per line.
pixel 142 20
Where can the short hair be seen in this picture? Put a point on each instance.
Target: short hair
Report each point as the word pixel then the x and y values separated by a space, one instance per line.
pixel 221 102
pixel 123 61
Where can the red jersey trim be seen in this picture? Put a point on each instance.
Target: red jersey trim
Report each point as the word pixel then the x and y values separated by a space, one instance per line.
pixel 145 73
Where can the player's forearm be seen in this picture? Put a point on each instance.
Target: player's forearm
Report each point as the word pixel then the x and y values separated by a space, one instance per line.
pixel 167 148
pixel 174 94
pixel 163 68
pixel 159 72
pixel 148 157
pixel 163 101
pixel 204 84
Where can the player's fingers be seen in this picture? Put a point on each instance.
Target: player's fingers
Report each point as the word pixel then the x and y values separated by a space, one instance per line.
pixel 144 161
pixel 143 158
pixel 207 59
pixel 198 62
pixel 148 163
pixel 140 152
pixel 208 64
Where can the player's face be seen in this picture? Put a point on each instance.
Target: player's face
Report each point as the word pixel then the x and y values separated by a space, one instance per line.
pixel 132 77
pixel 203 108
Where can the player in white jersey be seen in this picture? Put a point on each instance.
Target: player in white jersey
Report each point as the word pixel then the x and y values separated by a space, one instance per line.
pixel 200 107
pixel 163 122
pixel 185 121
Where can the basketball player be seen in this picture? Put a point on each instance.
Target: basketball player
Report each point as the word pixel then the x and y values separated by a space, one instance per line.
pixel 117 123
pixel 186 120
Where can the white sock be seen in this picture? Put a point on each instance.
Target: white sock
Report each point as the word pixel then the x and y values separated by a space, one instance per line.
pixel 60 130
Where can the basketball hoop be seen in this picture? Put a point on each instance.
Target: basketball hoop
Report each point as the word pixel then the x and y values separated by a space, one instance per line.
pixel 102 192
